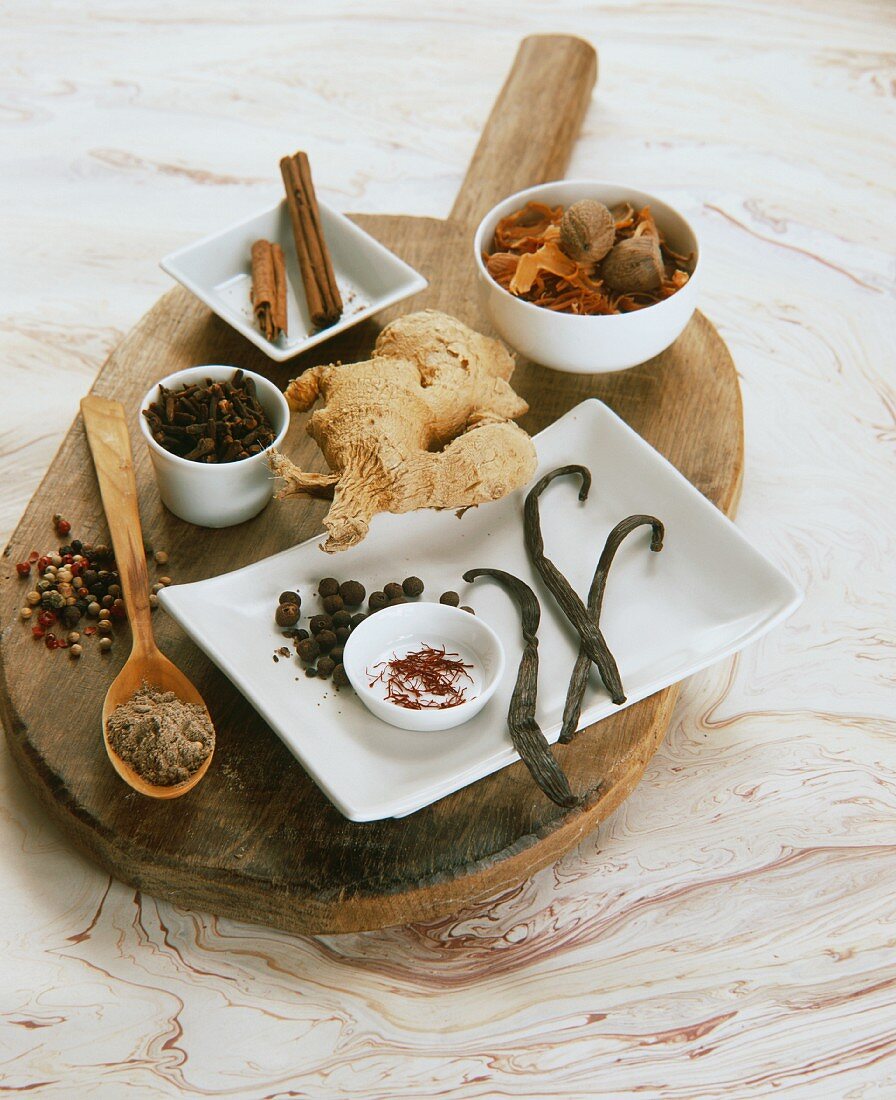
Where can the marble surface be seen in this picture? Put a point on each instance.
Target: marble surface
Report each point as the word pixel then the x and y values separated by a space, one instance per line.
pixel 730 930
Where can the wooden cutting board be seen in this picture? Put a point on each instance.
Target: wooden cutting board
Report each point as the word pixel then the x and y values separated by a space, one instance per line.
pixel 256 840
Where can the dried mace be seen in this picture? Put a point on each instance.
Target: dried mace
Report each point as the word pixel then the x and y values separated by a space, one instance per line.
pixel 525 732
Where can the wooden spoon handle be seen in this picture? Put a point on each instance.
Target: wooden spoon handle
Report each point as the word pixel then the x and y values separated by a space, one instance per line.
pixel 533 125
pixel 110 445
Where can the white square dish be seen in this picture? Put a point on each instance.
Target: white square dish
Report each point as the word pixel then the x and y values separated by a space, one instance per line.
pixel 708 594
pixel 218 270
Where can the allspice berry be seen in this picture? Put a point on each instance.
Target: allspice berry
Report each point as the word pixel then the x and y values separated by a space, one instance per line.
pixel 412 586
pixel 326 640
pixel 290 597
pixel 352 593
pixel 451 599
pixel 329 586
pixel 325 667
pixel 377 600
pixel 587 231
pixel 333 603
pixel 317 623
pixel 308 650
pixel 634 266
pixel 393 590
pixel 340 676
pixel 287 614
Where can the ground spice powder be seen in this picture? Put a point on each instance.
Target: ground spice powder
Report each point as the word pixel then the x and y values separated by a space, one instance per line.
pixel 164 739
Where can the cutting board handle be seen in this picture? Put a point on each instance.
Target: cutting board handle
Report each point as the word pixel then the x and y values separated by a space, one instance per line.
pixel 530 132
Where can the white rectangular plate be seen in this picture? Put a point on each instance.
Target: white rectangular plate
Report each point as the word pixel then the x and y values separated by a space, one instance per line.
pixel 218 270
pixel 708 594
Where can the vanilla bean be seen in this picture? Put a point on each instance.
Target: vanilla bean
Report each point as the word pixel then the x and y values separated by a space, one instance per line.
pixel 560 588
pixel 579 678
pixel 526 734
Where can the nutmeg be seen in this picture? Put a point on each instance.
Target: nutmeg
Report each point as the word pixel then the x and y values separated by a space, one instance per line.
pixel 587 231
pixel 634 266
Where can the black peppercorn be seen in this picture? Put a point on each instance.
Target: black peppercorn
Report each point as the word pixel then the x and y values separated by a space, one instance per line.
pixel 318 623
pixel 450 598
pixel 412 586
pixel 308 650
pixel 352 593
pixel 326 640
pixel 340 676
pixel 70 616
pixel 332 604
pixel 329 586
pixel 393 590
pixel 290 597
pixel 325 667
pixel 377 600
pixel 287 614
pixel 342 618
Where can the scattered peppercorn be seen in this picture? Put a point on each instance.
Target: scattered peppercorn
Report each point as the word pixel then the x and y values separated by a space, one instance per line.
pixel 23 568
pixel 332 604
pixel 342 633
pixel 105 645
pixel 287 614
pixel 73 637
pixel 466 608
pixel 336 654
pixel 326 639
pixel 342 618
pixel 340 676
pixel 329 586
pixel 25 613
pixel 290 597
pixel 165 581
pixel 412 586
pixel 396 601
pixel 352 593
pixel 451 599
pixel 301 634
pixel 311 672
pixel 160 556
pixel 325 667
pixel 393 590
pixel 75 651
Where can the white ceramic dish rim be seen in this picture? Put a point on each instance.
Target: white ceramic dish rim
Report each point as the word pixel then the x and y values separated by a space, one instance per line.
pixel 459 714
pixel 386 808
pixel 544 190
pixel 416 283
pixel 187 375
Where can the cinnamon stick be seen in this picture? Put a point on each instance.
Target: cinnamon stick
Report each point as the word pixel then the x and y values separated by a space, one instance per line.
pixel 269 288
pixel 321 290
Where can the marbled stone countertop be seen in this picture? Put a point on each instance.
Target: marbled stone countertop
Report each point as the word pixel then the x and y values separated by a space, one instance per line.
pixel 730 930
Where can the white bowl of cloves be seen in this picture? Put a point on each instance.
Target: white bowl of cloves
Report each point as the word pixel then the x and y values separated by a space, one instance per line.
pixel 587 276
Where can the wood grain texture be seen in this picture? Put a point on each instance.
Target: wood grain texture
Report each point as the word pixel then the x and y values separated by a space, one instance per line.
pixel 256 840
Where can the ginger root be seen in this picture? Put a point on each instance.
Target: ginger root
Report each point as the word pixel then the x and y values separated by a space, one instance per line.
pixel 425 423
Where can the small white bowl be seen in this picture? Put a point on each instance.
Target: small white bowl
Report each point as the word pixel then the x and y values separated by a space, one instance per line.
pixel 405 627
pixel 207 493
pixel 218 270
pixel 586 344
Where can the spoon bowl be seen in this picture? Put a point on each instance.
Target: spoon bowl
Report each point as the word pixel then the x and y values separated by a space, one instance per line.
pixel 156 670
pixel 107 434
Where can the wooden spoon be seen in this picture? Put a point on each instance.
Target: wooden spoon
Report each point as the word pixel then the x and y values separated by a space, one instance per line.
pixel 107 434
